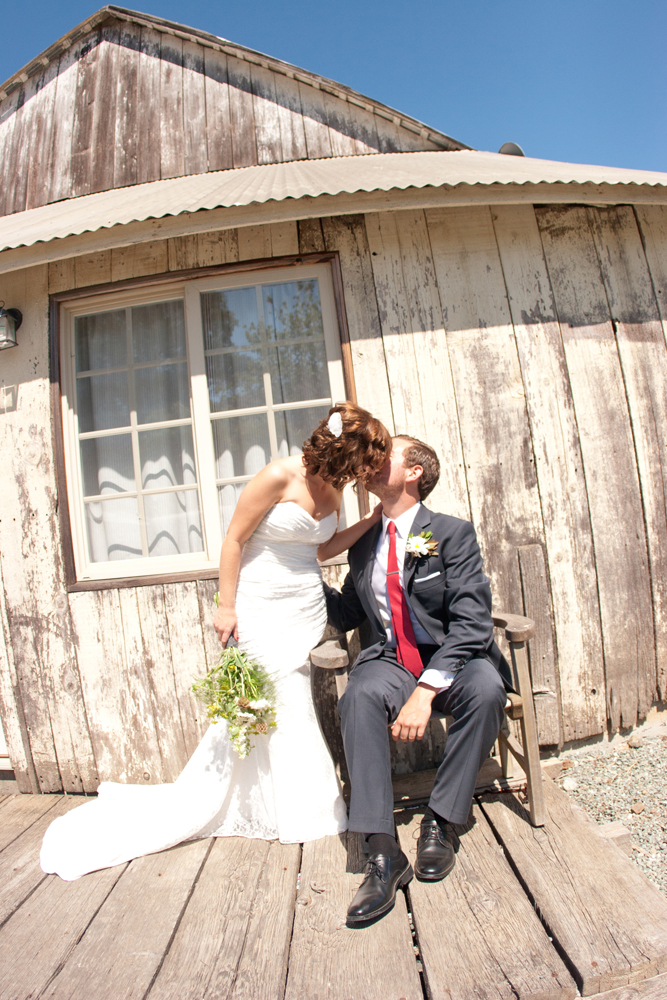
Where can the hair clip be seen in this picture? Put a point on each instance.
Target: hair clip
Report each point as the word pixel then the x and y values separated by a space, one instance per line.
pixel 335 424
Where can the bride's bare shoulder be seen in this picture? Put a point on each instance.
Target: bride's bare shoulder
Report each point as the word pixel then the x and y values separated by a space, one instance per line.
pixel 282 471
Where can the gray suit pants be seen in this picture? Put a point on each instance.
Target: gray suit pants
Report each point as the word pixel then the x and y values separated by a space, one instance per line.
pixel 376 691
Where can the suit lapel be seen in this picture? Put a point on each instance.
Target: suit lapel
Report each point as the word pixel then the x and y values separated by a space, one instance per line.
pixel 420 523
pixel 367 558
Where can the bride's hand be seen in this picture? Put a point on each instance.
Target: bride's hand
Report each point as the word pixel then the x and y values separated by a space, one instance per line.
pixel 225 624
pixel 375 515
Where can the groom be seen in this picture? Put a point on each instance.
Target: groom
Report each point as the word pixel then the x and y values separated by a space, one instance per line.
pixel 417 578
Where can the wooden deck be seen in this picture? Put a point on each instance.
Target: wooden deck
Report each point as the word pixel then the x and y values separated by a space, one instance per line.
pixel 550 914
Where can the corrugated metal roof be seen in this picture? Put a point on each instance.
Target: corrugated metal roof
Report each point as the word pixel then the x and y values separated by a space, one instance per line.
pixel 302 179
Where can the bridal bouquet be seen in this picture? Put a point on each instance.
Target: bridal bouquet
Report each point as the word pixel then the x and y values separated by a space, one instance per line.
pixel 240 691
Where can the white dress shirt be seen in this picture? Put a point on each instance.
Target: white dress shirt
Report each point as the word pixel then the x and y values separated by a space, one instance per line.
pixel 404 522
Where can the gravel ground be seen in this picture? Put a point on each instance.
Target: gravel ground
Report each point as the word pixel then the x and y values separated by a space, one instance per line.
pixel 626 780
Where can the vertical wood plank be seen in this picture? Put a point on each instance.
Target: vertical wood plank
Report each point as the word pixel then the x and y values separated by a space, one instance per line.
pixel 172 132
pixel 244 147
pixel 40 628
pixel 159 667
pixel 61 275
pixel 206 590
pixel 284 239
pixel 265 112
pixel 8 123
pixel 104 109
pixel 11 707
pixel 148 104
pixel 497 446
pixel 416 347
pixel 16 168
pixel 315 122
pixel 643 358
pixel 609 459
pixel 218 126
pixel 218 247
pixel 254 242
pixel 36 188
pixel 194 108
pixel 542 648
pixel 347 236
pixel 60 158
pixel 432 356
pixel 337 112
pixel 292 134
pixel 559 469
pixel 135 261
pixel 311 238
pixel 652 222
pixel 92 269
pixel 188 658
pixel 116 695
pixel 87 85
pixel 127 133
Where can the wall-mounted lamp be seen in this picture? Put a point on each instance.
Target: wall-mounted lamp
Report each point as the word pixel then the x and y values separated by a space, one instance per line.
pixel 10 321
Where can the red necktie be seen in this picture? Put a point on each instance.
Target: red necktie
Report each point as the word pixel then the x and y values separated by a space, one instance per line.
pixel 406 644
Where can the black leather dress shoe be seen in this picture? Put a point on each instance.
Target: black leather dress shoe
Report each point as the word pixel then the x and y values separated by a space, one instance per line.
pixel 435 854
pixel 377 893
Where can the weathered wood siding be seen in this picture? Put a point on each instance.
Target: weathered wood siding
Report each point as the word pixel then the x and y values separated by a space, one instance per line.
pixel 528 346
pixel 128 103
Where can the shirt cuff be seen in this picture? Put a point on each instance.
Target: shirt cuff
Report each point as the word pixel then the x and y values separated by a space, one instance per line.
pixel 440 679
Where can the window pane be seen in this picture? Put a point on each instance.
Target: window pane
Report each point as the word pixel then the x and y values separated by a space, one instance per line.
pixel 241 445
pixel 293 427
pixel 158 331
pixel 167 458
pixel 299 372
pixel 292 310
pixel 162 393
pixel 107 465
pixel 230 318
pixel 235 380
pixel 100 341
pixel 227 498
pixel 113 529
pixel 173 524
pixel 102 402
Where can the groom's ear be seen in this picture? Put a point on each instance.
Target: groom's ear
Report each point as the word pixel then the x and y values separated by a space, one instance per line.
pixel 414 473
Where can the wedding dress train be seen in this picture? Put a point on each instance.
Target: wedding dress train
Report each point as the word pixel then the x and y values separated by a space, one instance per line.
pixel 287 787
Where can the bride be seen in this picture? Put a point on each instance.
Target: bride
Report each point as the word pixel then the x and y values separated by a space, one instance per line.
pixel 271 601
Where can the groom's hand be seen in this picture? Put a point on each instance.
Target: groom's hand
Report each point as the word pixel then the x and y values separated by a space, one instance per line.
pixel 413 718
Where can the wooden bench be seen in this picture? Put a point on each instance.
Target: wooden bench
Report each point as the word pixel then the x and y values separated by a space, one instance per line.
pixel 332 655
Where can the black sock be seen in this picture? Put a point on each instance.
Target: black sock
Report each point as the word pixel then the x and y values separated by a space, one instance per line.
pixel 383 843
pixel 440 820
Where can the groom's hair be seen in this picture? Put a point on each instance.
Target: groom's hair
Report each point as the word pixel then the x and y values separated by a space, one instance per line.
pixel 418 453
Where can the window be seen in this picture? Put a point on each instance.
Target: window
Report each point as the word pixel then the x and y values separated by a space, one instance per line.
pixel 174 397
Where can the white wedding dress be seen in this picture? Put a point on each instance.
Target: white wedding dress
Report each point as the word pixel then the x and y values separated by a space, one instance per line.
pixel 287 787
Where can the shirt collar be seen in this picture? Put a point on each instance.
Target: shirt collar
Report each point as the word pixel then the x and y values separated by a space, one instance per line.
pixel 403 522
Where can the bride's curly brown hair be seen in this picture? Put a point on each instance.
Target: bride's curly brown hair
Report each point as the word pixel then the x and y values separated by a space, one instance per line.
pixel 356 455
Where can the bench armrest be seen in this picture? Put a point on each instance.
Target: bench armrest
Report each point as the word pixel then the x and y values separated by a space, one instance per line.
pixel 516 628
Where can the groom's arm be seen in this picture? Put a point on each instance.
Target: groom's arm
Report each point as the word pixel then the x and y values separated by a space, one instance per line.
pixel 466 605
pixel 344 608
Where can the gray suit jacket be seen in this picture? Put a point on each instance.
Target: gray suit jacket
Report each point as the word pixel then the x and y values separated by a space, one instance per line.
pixel 448 592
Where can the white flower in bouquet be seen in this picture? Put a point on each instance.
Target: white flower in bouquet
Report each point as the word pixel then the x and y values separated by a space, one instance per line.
pixel 260 706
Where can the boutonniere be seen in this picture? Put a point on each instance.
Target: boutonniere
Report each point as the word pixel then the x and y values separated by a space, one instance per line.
pixel 421 546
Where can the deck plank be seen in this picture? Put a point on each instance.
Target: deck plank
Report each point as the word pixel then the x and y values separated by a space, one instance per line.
pixel 126 942
pixel 21 811
pixel 47 928
pixel 206 949
pixel 329 961
pixel 263 967
pixel 494 945
pixel 607 917
pixel 20 872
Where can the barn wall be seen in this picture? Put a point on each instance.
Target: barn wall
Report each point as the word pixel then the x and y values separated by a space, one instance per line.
pixel 127 104
pixel 528 346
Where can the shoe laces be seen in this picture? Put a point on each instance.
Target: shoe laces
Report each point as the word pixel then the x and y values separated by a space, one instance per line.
pixel 373 868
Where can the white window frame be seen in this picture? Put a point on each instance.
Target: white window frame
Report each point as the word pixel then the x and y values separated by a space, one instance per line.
pixel 201 419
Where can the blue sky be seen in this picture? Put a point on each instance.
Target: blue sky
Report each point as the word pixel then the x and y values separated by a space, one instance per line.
pixel 577 80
